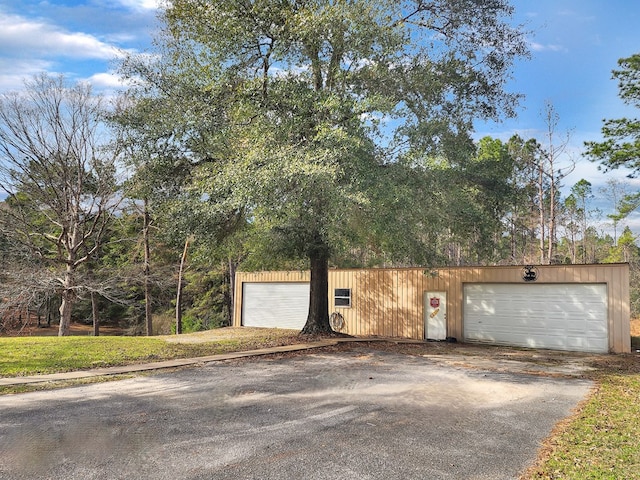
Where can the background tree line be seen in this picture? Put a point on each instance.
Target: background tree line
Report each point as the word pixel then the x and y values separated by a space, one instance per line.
pixel 301 134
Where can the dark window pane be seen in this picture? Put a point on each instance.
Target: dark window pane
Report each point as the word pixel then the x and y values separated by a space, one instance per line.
pixel 343 302
pixel 343 292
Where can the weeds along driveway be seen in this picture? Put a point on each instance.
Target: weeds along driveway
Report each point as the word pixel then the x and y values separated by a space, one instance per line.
pixel 356 414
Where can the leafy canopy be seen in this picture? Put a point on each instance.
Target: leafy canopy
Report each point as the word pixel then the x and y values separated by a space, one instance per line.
pixel 289 110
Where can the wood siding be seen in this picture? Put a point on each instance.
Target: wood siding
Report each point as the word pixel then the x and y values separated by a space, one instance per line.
pixel 390 302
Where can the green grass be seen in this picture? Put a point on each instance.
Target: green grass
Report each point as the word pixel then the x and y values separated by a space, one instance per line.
pixel 38 355
pixel 42 355
pixel 603 440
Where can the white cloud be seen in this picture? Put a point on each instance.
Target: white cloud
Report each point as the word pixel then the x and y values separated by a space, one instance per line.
pixel 38 38
pixel 106 81
pixel 566 13
pixel 539 47
pixel 142 4
pixel 13 72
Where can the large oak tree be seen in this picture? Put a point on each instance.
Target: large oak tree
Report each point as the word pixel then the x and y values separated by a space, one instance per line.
pixel 299 113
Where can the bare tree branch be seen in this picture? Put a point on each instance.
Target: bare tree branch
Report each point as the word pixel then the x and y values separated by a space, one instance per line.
pixel 59 176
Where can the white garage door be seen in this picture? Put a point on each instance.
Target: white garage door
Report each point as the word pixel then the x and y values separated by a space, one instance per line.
pixel 275 305
pixel 558 316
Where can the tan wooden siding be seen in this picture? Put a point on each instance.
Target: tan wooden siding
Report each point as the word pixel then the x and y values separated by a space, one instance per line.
pixel 390 302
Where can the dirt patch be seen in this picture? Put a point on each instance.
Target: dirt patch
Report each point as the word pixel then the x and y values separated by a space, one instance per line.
pixel 635 327
pixel 497 358
pixel 485 357
pixel 500 359
pixel 233 333
pixel 542 362
pixel 32 329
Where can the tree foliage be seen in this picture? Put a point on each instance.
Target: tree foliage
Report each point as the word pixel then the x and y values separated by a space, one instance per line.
pixel 304 118
pixel 621 146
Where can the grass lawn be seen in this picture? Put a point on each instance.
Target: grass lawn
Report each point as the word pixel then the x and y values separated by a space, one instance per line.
pixel 20 356
pixel 602 440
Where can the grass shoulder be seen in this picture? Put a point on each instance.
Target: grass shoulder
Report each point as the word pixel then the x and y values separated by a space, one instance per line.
pixel 600 441
pixel 23 356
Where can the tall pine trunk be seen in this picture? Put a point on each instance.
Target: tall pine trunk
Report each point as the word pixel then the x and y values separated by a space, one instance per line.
pixel 541 216
pixel 551 230
pixel 147 271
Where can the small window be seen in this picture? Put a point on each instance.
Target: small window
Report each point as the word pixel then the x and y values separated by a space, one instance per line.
pixel 342 297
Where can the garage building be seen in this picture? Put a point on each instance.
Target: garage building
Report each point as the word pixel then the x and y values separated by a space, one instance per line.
pixel 566 307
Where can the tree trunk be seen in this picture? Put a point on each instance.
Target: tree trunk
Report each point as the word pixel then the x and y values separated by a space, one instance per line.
pixel 94 315
pixel 541 219
pixel 68 299
pixel 551 231
pixel 147 269
pixel 232 289
pixel 179 294
pixel 318 318
pixel 49 310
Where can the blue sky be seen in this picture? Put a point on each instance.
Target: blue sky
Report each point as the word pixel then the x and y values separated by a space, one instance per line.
pixel 574 44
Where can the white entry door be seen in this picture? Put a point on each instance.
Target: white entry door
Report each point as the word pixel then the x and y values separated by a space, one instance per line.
pixel 435 315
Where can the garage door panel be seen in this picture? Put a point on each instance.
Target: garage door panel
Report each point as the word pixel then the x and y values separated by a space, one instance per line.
pixel 580 343
pixel 556 316
pixel 275 305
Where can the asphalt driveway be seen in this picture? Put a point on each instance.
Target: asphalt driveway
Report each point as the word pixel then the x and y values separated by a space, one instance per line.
pixel 361 414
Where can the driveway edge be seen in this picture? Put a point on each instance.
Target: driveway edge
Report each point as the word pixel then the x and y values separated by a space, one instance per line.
pixel 178 362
